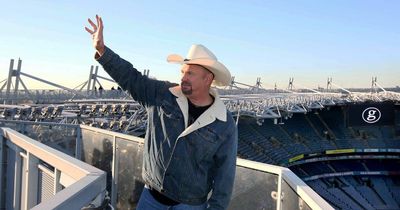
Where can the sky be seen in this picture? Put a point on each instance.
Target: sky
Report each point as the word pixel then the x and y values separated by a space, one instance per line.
pixel 309 40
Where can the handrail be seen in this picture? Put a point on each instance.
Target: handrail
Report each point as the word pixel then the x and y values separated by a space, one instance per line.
pixel 112 133
pixel 27 122
pixel 309 196
pixel 89 181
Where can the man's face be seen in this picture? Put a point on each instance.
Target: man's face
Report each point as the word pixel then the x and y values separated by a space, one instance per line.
pixel 195 79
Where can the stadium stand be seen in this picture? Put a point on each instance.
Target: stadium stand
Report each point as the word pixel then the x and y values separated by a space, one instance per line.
pixel 322 131
pixel 361 171
pixel 356 193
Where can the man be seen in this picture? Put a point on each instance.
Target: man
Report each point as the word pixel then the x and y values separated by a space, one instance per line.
pixel 191 140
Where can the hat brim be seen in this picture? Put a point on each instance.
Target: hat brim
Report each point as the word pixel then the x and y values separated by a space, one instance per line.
pixel 222 76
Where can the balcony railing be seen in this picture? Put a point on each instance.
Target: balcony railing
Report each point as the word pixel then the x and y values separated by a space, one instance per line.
pixel 36 176
pixel 257 185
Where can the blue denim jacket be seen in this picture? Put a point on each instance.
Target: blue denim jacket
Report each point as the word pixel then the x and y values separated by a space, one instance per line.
pixel 184 162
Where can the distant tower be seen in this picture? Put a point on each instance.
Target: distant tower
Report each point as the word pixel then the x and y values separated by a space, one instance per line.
pixel 13 73
pixel 290 87
pixel 329 84
pixel 258 84
pixel 373 84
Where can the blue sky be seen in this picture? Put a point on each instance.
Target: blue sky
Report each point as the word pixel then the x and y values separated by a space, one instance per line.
pixel 309 40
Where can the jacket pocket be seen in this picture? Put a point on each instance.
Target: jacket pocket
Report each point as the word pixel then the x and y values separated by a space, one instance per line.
pixel 202 144
pixel 208 134
pixel 168 111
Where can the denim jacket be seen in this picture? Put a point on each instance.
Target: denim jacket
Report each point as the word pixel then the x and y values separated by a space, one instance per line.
pixel 184 162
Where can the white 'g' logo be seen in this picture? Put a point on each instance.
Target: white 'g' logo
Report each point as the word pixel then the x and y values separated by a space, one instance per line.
pixel 371 115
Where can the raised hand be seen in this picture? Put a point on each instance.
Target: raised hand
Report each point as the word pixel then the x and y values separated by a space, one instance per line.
pixel 97 34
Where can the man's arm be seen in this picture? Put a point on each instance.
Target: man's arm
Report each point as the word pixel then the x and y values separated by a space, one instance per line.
pixel 224 174
pixel 144 90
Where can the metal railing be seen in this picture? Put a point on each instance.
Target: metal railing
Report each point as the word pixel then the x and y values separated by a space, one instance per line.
pixel 36 176
pixel 272 187
pixel 61 136
pixel 257 185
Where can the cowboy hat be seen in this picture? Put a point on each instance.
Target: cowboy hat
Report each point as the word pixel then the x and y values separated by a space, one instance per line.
pixel 200 55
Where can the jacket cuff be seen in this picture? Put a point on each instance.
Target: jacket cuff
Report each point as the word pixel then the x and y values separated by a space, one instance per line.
pixel 106 57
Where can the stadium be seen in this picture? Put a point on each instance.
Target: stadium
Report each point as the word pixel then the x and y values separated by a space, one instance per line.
pixel 352 164
pixel 331 148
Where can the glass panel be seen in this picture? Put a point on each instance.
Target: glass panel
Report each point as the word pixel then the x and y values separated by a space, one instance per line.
pixel 290 199
pixel 11 125
pixel 253 190
pixel 130 183
pixel 97 150
pixel 60 137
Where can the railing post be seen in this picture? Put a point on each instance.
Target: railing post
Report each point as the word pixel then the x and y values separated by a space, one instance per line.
pixel 57 185
pixel 17 179
pixel 279 193
pixel 32 178
pixel 3 162
pixel 114 172
pixel 78 143
pixel 84 182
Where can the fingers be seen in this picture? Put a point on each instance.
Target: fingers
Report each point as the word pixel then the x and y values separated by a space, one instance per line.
pixel 101 24
pixel 92 24
pixel 98 20
pixel 88 30
pixel 98 27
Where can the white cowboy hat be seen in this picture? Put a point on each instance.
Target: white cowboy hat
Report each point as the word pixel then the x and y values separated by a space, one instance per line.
pixel 200 55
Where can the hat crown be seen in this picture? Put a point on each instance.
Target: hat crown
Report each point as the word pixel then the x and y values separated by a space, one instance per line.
pixel 200 55
pixel 198 51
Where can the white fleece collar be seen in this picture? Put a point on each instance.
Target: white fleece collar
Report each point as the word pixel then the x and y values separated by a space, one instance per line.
pixel 216 111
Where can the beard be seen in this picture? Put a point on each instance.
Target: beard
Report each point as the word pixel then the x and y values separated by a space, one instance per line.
pixel 186 88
